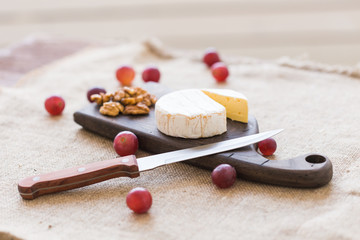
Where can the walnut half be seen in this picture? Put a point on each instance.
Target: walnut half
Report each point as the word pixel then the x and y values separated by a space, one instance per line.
pixel 111 109
pixel 101 98
pixel 138 109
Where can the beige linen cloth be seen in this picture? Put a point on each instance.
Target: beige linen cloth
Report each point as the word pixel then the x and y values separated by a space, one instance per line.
pixel 319 109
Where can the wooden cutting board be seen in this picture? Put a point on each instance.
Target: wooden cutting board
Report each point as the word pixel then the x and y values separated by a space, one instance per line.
pixel 309 170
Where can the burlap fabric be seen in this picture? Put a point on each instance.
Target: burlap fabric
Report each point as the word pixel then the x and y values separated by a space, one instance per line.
pixel 319 112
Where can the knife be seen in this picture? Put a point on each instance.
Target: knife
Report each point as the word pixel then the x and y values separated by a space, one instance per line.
pixel 128 166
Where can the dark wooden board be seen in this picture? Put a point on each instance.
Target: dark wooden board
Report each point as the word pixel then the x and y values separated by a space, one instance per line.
pixel 309 170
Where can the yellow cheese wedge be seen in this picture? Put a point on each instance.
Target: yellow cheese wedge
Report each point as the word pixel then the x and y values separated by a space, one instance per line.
pixel 235 103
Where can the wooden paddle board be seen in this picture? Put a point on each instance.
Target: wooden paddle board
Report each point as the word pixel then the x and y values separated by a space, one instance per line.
pixel 309 170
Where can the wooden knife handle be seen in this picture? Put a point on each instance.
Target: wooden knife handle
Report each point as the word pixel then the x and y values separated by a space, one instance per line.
pixel 35 186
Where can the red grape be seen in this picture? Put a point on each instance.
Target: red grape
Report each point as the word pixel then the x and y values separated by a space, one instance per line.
pixel 126 143
pixel 151 74
pixel 211 57
pixel 267 147
pixel 223 176
pixel 220 72
pixel 139 200
pixel 125 75
pixel 54 105
pixel 94 90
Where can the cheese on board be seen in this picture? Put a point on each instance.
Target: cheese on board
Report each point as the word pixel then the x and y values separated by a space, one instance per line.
pixel 189 114
pixel 236 104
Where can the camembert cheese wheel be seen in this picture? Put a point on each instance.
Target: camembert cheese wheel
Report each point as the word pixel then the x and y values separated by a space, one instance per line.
pixel 195 113
pixel 189 114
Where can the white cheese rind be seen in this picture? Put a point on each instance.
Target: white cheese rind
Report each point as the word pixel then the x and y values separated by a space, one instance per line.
pixel 189 114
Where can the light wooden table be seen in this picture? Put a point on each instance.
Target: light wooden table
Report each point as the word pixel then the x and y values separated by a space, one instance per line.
pixel 326 30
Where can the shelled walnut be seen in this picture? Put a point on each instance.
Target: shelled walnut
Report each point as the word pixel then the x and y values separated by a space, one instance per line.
pixel 126 100
pixel 101 98
pixel 111 108
pixel 139 108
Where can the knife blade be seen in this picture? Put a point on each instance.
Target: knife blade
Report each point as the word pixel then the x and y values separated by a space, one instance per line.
pixel 128 166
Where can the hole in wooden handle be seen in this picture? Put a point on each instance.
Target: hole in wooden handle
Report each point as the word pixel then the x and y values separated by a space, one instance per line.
pixel 315 159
